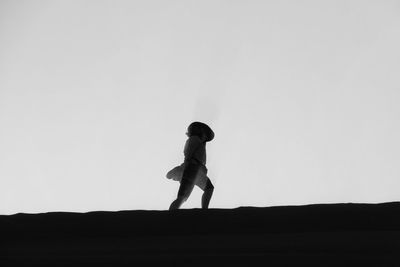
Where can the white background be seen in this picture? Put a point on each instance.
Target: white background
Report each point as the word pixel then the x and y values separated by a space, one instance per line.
pixel 95 98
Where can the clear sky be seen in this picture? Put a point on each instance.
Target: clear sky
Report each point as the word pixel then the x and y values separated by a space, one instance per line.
pixel 95 98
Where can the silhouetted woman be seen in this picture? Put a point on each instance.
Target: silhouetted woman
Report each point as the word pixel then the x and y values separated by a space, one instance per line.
pixel 193 171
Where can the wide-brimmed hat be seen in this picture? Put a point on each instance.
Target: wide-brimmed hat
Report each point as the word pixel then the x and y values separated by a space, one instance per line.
pixel 197 126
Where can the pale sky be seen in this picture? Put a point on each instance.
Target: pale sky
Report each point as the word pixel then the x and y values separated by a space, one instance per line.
pixel 96 96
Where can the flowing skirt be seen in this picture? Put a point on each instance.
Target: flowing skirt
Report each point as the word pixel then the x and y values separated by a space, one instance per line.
pixel 195 174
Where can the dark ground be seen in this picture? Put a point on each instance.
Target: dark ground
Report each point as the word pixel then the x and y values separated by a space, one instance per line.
pixel 313 235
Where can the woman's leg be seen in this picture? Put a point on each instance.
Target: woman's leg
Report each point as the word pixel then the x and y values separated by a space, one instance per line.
pixel 185 189
pixel 186 186
pixel 208 191
pixel 177 203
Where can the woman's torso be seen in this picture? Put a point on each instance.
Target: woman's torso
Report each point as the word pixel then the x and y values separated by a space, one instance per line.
pixel 195 150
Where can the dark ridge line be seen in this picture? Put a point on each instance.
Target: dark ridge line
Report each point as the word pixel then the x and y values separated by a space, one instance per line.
pixel 238 221
pixel 211 209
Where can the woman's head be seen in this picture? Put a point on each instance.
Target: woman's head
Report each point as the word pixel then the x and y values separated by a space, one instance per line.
pixel 200 129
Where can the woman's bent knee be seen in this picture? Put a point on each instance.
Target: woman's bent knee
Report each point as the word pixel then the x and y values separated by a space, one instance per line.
pixel 209 186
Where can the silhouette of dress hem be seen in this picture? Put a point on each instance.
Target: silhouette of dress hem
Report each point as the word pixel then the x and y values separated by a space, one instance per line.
pixel 200 180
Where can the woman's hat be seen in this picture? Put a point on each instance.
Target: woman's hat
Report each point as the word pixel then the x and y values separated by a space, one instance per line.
pixel 195 128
